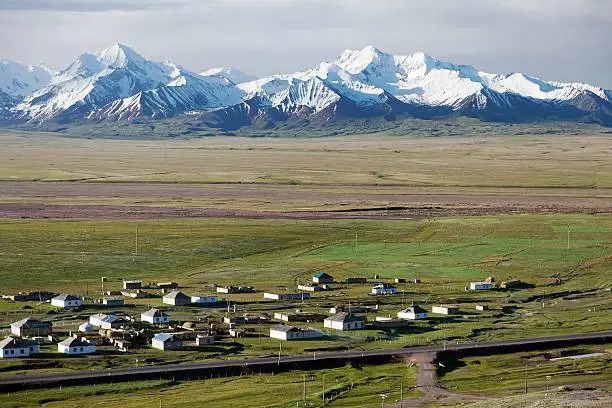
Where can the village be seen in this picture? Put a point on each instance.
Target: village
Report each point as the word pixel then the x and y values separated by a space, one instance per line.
pixel 166 325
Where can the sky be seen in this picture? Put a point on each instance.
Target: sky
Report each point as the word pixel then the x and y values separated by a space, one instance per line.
pixel 563 40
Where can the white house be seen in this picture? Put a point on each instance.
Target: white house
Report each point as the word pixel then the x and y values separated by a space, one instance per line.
pixel 204 299
pixel 322 277
pixel 66 301
pixel 415 312
pixel 113 301
pixel 74 345
pixel 286 296
pixel 344 321
pixel 384 289
pixel 176 298
pixel 12 347
pixel 105 321
pixel 481 285
pixel 155 316
pixel 445 309
pixel 86 327
pixel 165 341
pixel 283 332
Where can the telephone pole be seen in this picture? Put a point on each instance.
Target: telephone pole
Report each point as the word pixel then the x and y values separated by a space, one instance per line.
pixel 304 391
pixel 568 237
pixel 525 390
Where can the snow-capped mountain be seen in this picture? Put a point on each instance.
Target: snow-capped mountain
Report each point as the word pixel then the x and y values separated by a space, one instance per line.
pixel 19 80
pixel 119 84
pixel 233 74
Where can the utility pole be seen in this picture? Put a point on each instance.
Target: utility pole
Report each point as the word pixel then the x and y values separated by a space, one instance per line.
pixel 323 389
pixel 280 350
pixel 568 237
pixel 355 242
pixel 525 390
pixel 402 393
pixel 137 241
pixel 304 391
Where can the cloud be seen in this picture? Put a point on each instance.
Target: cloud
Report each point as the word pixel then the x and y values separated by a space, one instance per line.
pixel 83 5
pixel 553 39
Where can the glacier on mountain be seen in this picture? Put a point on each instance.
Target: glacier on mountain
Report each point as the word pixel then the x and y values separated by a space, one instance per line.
pixel 119 84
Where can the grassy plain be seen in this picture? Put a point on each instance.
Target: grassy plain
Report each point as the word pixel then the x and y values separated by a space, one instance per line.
pixel 344 387
pixel 569 279
pixel 329 173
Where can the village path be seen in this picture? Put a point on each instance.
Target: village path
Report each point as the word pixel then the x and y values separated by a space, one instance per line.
pixel 427 384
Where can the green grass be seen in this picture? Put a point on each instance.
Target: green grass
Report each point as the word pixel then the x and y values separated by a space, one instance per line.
pixel 344 387
pixel 505 373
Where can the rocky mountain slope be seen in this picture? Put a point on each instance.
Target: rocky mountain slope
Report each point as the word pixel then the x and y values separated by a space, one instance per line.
pixel 118 84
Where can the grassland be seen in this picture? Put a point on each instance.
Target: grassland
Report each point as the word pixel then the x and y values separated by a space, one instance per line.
pixel 344 387
pixel 527 191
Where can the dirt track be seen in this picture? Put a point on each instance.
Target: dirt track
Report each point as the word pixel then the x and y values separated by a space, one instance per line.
pixel 39 211
pixel 167 200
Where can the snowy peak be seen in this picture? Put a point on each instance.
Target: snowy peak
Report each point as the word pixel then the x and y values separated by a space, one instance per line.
pixel 232 74
pixel 119 56
pixel 19 80
pixel 118 83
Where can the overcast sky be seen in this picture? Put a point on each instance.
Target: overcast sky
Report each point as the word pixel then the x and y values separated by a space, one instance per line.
pixel 567 40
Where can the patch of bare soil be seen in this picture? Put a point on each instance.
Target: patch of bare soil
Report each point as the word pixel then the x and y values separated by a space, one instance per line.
pixel 427 383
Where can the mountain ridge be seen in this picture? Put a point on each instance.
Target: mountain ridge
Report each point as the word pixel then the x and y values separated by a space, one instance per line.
pixel 118 84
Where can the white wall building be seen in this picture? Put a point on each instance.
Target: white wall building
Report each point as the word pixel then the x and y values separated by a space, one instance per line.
pixel 12 347
pixel 165 341
pixel 445 309
pixel 344 321
pixel 155 316
pixel 481 285
pixel 66 301
pixel 415 312
pixel 74 345
pixel 283 332
pixel 104 321
pixel 176 298
pixel 384 289
pixel 204 299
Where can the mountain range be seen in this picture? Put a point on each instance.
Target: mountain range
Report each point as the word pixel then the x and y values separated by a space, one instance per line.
pixel 119 85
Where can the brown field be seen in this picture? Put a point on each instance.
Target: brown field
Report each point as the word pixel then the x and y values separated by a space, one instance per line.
pixel 45 175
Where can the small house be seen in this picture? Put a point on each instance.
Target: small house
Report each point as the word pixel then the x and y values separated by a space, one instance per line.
pixel 166 341
pixel 481 285
pixel 30 327
pixel 167 285
pixel 235 289
pixel 12 347
pixel 283 332
pixel 357 280
pixel 287 296
pixel 75 345
pixel 132 284
pixel 176 298
pixel 204 340
pixel 312 288
pixel 384 322
pixel 322 277
pixel 445 309
pixel 482 308
pixel 155 316
pixel 105 321
pixel 66 301
pixel 202 300
pixel 299 317
pixel 137 294
pixel 86 327
pixel 399 280
pixel 113 301
pixel 344 321
pixel 384 289
pixel 414 312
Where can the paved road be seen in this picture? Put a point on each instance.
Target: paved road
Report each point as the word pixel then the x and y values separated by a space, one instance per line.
pixel 183 369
